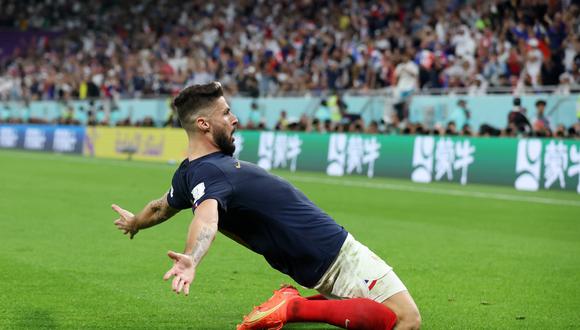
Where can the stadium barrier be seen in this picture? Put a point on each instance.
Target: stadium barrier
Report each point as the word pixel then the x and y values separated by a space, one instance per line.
pixel 526 164
pixel 494 109
pixel 426 109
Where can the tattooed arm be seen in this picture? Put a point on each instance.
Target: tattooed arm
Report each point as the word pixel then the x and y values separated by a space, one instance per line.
pixel 202 230
pixel 201 234
pixel 155 212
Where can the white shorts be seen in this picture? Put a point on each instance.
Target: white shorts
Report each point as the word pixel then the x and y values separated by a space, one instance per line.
pixel 359 273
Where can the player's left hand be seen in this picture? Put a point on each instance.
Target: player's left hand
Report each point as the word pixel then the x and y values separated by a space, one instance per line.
pixel 183 270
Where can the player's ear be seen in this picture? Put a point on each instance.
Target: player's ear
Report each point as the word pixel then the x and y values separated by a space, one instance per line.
pixel 202 123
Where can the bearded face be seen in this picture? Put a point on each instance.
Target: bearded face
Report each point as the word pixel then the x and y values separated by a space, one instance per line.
pixel 222 125
pixel 225 141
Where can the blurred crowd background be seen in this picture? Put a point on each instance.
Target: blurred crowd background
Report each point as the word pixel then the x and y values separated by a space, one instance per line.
pixel 106 50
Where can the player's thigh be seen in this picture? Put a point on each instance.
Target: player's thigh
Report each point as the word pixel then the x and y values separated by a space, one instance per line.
pixel 402 304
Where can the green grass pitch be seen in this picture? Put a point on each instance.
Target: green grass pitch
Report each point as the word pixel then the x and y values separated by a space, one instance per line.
pixel 475 257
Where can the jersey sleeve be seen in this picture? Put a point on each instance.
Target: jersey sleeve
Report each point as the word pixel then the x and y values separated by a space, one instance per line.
pixel 207 181
pixel 177 196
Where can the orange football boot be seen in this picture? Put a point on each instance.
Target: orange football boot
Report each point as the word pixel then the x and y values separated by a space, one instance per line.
pixel 271 315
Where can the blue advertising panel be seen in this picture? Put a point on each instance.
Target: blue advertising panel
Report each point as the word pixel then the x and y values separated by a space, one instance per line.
pixel 63 139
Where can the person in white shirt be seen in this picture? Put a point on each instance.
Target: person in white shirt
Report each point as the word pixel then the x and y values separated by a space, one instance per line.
pixel 407 82
pixel 534 58
pixel 406 73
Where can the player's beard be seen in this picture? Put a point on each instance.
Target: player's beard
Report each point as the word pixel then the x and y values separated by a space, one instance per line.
pixel 224 142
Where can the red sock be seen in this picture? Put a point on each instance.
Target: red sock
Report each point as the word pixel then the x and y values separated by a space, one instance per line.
pixel 316 297
pixel 356 313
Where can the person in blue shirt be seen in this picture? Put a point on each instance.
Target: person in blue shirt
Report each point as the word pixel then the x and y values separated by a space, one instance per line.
pixel 460 115
pixel 271 217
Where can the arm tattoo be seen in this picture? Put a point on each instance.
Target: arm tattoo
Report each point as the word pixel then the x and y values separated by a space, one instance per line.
pixel 202 243
pixel 157 206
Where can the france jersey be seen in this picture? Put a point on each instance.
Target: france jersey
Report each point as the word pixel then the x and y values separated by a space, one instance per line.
pixel 262 212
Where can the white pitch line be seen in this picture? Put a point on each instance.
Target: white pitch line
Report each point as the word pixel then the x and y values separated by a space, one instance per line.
pixel 438 191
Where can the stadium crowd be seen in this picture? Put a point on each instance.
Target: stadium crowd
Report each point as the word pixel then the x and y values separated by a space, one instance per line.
pixel 85 49
pixel 258 48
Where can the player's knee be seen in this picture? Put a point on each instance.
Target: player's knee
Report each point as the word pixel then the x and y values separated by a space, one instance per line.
pixel 414 321
pixel 410 320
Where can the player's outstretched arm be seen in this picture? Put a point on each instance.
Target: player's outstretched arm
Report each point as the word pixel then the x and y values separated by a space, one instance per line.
pixel 201 234
pixel 155 212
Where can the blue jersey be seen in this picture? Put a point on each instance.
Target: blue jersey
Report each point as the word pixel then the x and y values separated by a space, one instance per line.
pixel 262 212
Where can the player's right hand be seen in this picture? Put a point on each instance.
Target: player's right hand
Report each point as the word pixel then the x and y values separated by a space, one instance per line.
pixel 126 221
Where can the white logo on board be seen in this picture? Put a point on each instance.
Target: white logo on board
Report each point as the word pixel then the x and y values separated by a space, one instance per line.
pixel 64 140
pixel 8 137
pixel 528 165
pixel 443 158
pixel 279 150
pixel 34 138
pixel 423 159
pixel 559 161
pixel 555 164
pixel 349 154
pixel 575 168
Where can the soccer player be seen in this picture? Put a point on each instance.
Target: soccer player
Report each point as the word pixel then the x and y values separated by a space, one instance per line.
pixel 271 217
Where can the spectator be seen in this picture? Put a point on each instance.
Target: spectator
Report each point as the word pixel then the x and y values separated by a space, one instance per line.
pixel 305 123
pixel 565 84
pixel 466 130
pixel 487 130
pixel 255 119
pixel 574 131
pixel 337 108
pixel 493 70
pixel 406 76
pixel 322 114
pixel 451 128
pixel 477 86
pixel 460 115
pixel 518 123
pixel 282 123
pixel 172 118
pixel 541 120
pixel 248 85
pixel 534 59
pixel 560 131
pixel 373 128
pixel 550 72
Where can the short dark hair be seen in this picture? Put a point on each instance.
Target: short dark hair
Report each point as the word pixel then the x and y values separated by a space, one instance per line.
pixel 194 98
pixel 542 102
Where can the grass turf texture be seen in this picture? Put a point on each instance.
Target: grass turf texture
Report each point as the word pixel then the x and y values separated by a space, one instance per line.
pixel 469 262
